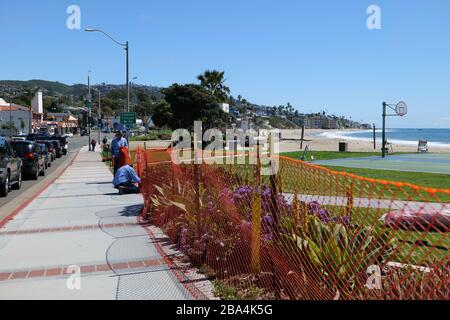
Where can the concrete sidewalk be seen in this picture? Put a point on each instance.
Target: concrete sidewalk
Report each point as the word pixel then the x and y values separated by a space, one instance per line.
pixel 80 223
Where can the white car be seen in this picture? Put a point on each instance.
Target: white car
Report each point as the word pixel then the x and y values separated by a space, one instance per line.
pixel 68 135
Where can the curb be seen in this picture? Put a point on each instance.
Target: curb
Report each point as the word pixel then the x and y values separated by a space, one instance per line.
pixel 40 190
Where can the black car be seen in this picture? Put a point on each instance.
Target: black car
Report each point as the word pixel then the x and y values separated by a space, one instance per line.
pixel 58 148
pixel 50 148
pixel 47 155
pixel 38 136
pixel 10 168
pixel 33 161
pixel 63 142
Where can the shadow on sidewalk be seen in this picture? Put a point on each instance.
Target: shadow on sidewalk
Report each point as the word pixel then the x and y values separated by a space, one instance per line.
pixel 131 211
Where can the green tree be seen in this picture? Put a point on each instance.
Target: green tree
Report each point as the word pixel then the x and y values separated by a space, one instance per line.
pixel 191 103
pixel 163 115
pixel 214 82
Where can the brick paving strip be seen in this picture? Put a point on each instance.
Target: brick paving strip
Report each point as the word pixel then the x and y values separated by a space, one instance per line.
pixel 67 229
pixel 84 269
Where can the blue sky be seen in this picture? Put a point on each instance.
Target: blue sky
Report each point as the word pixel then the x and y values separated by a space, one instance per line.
pixel 315 54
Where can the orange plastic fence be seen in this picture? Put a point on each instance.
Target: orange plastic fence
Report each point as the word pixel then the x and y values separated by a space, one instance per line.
pixel 306 233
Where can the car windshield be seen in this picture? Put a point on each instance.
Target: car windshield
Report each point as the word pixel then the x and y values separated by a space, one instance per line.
pixel 21 148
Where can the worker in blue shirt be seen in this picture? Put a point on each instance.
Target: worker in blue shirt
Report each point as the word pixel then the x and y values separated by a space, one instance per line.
pixel 117 143
pixel 126 180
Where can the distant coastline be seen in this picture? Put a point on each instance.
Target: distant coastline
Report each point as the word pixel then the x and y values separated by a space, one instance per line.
pixel 362 141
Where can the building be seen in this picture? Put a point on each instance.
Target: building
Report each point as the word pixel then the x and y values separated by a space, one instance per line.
pixel 225 107
pixel 16 114
pixel 330 123
pixel 38 105
pixel 19 116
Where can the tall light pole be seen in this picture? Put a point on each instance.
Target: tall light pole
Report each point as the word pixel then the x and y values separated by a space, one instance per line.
pixel 89 102
pixel 99 115
pixel 10 120
pixel 127 52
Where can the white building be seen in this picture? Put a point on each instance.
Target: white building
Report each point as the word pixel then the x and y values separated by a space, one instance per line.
pixel 38 105
pixel 225 107
pixel 16 114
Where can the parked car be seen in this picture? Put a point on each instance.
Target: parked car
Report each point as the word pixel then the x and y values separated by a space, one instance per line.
pixel 33 161
pixel 23 138
pixel 38 136
pixel 47 155
pixel 10 168
pixel 64 144
pixel 50 148
pixel 58 148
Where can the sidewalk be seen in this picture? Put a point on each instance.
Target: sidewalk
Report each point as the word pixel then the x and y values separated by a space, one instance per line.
pixel 81 221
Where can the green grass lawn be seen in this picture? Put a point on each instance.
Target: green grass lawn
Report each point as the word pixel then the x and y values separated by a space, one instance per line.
pixel 435 250
pixel 329 155
pixel 431 180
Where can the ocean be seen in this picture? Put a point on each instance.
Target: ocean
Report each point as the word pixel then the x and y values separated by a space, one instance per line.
pixel 435 137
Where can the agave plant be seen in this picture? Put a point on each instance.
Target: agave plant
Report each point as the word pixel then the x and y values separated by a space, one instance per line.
pixel 342 256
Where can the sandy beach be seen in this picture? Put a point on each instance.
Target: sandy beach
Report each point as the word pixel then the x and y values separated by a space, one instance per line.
pixel 325 143
pixel 321 142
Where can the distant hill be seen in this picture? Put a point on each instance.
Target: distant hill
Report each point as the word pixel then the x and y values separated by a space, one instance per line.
pixel 58 88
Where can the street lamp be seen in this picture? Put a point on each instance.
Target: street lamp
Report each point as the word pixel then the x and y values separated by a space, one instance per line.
pixel 127 50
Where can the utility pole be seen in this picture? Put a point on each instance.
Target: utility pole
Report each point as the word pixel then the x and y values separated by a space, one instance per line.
pixel 99 115
pixel 89 109
pixel 383 142
pixel 127 49
pixel 10 120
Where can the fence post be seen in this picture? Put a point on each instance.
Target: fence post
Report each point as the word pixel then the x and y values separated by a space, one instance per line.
pixel 256 223
pixel 350 200
pixel 197 186
pixel 274 195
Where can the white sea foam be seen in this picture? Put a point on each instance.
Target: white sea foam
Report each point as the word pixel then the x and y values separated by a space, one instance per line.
pixel 347 135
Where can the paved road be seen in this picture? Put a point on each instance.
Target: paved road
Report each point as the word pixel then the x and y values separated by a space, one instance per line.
pixel 75 144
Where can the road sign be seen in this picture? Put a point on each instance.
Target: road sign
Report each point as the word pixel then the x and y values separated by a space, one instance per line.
pixel 128 119
pixel 88 104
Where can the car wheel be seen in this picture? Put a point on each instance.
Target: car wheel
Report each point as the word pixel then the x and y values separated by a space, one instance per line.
pixel 4 187
pixel 42 173
pixel 18 184
pixel 35 175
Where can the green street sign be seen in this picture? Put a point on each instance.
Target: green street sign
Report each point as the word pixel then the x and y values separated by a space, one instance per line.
pixel 128 119
pixel 88 104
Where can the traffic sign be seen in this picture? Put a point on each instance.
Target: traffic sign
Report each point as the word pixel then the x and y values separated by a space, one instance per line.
pixel 128 119
pixel 88 104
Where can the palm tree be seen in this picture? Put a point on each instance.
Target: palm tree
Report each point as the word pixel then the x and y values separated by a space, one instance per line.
pixel 214 82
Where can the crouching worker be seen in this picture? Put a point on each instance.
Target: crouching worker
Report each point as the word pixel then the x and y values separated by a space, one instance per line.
pixel 126 180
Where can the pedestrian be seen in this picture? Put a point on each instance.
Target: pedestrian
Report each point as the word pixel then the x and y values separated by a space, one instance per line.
pixel 93 144
pixel 117 144
pixel 127 180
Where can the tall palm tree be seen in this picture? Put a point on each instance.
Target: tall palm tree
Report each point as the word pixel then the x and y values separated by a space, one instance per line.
pixel 214 82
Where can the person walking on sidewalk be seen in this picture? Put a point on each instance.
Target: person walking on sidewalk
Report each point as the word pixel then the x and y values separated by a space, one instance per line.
pixel 117 144
pixel 127 180
pixel 93 144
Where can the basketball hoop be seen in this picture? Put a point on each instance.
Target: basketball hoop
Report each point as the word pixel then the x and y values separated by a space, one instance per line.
pixel 401 109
